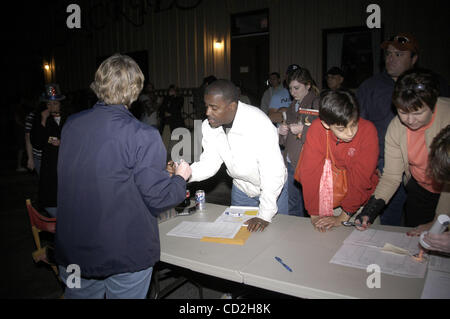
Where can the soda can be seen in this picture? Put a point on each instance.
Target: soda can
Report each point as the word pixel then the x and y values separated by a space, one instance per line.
pixel 200 199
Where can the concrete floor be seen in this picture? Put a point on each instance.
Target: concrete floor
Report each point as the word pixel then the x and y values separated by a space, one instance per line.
pixel 21 278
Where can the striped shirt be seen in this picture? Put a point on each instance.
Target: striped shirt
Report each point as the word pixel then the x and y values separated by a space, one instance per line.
pixel 29 120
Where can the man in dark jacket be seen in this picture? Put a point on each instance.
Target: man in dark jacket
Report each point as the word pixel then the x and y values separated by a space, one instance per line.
pixel 112 184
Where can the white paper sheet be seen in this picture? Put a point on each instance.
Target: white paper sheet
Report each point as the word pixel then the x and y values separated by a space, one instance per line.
pixel 203 229
pixel 362 249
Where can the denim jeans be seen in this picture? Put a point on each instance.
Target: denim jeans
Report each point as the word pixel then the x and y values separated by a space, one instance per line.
pixel 239 198
pixel 296 206
pixel 120 286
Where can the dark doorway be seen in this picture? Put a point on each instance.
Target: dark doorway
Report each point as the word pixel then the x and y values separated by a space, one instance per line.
pixel 250 53
pixel 356 50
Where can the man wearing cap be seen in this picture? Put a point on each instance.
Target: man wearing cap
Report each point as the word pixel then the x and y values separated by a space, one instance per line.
pixel 281 100
pixel 335 78
pixel 375 95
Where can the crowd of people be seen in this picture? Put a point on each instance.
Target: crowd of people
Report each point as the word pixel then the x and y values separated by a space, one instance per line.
pixel 330 155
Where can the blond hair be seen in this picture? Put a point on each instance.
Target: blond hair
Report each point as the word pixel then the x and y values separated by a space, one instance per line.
pixel 118 80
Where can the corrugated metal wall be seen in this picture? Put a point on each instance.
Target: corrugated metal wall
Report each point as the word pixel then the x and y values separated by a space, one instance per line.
pixel 180 42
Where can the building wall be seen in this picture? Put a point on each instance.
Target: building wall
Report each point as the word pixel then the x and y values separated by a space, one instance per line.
pixel 180 42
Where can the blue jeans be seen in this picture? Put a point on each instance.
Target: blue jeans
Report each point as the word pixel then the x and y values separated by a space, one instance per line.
pixel 296 206
pixel 120 286
pixel 239 198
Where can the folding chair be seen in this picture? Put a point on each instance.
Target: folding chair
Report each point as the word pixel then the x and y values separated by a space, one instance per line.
pixel 39 224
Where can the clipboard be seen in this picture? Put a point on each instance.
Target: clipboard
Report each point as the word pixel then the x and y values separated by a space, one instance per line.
pixel 240 238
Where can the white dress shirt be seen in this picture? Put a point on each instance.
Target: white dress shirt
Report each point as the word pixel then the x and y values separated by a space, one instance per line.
pixel 251 154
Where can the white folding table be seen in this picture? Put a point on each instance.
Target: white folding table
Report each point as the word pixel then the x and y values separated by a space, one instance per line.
pixel 292 238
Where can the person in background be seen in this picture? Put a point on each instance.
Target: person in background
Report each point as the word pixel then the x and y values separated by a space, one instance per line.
pixel 335 78
pixel 242 137
pixel 242 96
pixel 46 135
pixel 422 114
pixel 20 113
pixel 112 185
pixel 281 100
pixel 439 170
pixel 353 143
pixel 34 154
pixel 198 94
pixel 149 101
pixel 170 110
pixel 292 132
pixel 275 85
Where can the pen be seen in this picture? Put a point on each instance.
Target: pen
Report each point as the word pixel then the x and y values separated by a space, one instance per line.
pixel 233 214
pixel 284 265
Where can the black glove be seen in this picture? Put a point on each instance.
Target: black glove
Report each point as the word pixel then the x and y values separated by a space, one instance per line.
pixel 372 209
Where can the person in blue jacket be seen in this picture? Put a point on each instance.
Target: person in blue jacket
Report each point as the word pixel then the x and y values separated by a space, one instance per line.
pixel 112 184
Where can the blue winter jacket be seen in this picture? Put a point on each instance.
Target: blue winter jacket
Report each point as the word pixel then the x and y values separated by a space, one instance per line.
pixel 112 183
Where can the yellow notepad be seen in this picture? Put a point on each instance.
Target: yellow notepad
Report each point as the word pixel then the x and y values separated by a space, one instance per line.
pixel 239 239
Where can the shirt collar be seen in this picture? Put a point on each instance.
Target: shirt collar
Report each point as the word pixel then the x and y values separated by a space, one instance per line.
pixel 119 107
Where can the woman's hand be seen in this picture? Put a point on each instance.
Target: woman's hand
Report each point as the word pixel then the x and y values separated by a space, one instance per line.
pixel 362 225
pixel 296 128
pixel 283 129
pixel 420 229
pixel 439 242
pixel 55 141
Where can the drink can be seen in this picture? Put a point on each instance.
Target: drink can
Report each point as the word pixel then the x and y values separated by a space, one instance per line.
pixel 200 199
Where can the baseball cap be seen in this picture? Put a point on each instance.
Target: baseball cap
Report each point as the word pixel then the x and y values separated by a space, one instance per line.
pixel 292 68
pixel 402 42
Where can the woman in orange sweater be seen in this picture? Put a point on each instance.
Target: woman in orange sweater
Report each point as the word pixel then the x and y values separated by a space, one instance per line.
pixel 354 145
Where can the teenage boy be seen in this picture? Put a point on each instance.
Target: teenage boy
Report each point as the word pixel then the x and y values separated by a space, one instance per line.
pixel 353 143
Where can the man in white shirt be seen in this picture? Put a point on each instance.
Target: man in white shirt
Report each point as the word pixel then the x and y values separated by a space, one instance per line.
pixel 243 137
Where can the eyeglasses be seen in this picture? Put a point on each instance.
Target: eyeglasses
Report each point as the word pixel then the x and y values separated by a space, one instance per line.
pixel 399 39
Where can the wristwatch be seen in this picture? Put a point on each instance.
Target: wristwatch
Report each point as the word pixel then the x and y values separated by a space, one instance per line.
pixel 349 214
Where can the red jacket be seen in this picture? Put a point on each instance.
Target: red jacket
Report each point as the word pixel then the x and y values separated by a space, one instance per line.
pixel 359 157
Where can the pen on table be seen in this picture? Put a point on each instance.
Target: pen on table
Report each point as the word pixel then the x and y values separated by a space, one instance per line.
pixel 233 214
pixel 284 265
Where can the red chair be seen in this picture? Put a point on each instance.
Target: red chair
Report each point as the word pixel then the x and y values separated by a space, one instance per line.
pixel 41 223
